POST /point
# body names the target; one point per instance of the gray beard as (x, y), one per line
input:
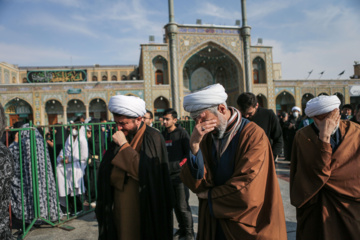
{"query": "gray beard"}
(220, 130)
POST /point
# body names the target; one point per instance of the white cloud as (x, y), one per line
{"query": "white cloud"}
(260, 9)
(317, 56)
(24, 55)
(212, 10)
(327, 40)
(60, 25)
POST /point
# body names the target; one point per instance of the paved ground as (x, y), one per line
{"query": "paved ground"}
(86, 226)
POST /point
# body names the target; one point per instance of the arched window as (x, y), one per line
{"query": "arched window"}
(104, 78)
(259, 75)
(94, 79)
(256, 75)
(159, 77)
(13, 80)
(123, 77)
(113, 78)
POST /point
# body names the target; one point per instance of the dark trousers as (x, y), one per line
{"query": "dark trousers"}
(182, 208)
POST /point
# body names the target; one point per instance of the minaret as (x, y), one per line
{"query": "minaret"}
(172, 29)
(245, 33)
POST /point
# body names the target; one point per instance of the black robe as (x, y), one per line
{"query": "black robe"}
(156, 198)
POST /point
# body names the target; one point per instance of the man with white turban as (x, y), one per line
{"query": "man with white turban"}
(324, 174)
(231, 169)
(134, 186)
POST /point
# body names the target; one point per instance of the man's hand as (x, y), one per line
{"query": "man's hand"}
(66, 160)
(119, 138)
(327, 125)
(16, 137)
(203, 195)
(201, 128)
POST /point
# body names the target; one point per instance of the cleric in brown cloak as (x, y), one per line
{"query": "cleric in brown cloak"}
(324, 176)
(231, 169)
(134, 192)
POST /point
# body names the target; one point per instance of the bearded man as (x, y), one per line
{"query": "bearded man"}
(231, 169)
(134, 186)
(324, 174)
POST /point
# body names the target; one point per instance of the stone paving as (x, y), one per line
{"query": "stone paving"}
(86, 227)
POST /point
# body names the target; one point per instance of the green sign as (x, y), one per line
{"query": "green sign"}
(74, 91)
(56, 76)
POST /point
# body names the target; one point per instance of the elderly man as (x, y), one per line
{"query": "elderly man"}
(324, 176)
(134, 187)
(232, 171)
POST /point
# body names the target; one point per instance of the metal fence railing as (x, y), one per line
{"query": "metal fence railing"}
(55, 176)
(55, 173)
(187, 125)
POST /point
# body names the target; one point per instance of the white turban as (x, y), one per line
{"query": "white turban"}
(129, 106)
(205, 98)
(321, 104)
(296, 109)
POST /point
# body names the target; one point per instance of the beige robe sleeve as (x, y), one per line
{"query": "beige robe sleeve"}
(310, 166)
(127, 159)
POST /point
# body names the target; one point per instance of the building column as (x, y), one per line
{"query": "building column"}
(42, 114)
(172, 29)
(245, 33)
(297, 97)
(87, 111)
(347, 95)
(65, 114)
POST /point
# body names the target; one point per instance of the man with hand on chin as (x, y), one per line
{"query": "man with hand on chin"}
(134, 187)
(324, 174)
(231, 169)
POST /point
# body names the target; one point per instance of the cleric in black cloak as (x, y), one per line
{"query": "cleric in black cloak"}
(134, 191)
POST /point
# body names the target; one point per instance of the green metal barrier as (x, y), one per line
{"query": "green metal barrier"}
(41, 192)
(35, 185)
(187, 125)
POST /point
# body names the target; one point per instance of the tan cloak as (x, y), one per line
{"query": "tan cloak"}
(325, 186)
(126, 196)
(249, 204)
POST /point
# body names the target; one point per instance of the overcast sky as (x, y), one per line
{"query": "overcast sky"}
(321, 35)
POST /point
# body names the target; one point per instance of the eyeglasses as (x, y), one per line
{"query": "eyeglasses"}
(146, 118)
(122, 123)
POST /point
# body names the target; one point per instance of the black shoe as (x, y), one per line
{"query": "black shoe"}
(187, 236)
(183, 235)
(177, 234)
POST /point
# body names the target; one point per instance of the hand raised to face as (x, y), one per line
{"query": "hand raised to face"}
(326, 123)
(204, 125)
(119, 138)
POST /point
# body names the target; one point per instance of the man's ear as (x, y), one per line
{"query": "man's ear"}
(222, 108)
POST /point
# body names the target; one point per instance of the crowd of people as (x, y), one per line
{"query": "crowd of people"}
(135, 176)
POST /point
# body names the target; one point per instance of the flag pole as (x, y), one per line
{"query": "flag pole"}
(309, 74)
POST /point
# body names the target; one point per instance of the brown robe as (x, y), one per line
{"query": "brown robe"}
(325, 186)
(249, 204)
(126, 196)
